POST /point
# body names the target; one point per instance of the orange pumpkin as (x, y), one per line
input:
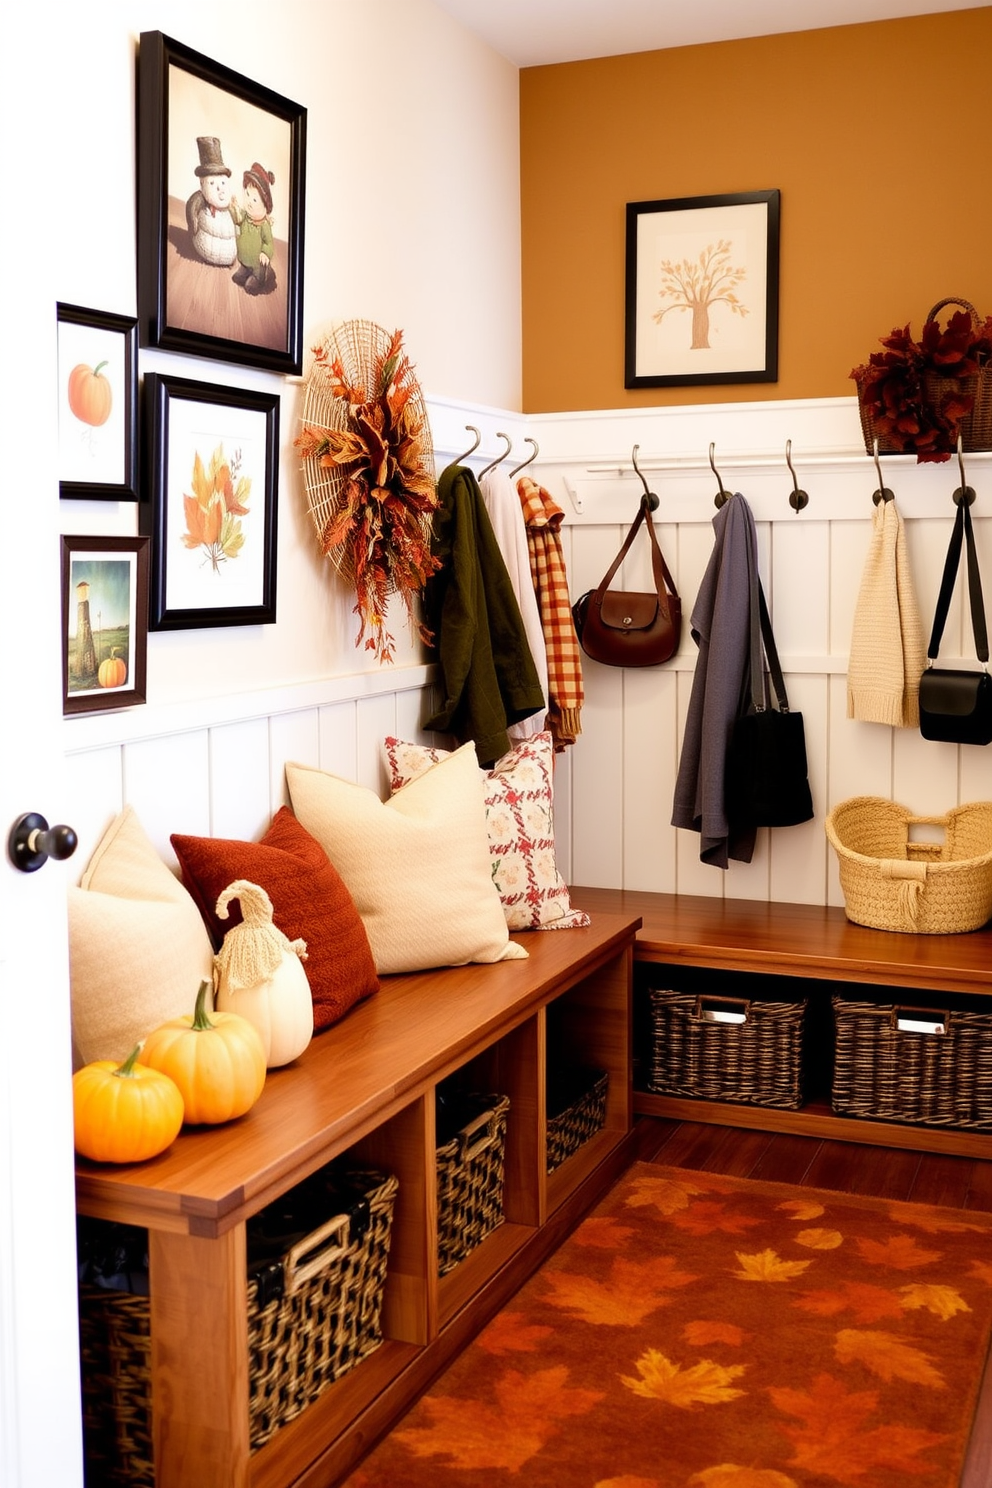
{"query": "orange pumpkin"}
(90, 395)
(113, 671)
(124, 1113)
(217, 1060)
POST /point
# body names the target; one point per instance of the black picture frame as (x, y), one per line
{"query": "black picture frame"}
(98, 404)
(698, 253)
(211, 463)
(196, 117)
(104, 580)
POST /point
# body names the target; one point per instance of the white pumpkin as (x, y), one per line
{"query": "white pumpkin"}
(259, 974)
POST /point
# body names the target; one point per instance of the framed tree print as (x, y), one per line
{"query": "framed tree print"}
(221, 179)
(98, 404)
(211, 469)
(702, 290)
(104, 622)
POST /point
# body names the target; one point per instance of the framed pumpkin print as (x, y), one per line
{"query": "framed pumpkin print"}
(702, 290)
(221, 173)
(211, 455)
(104, 622)
(98, 404)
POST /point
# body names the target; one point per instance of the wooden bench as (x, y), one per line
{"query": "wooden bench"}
(809, 941)
(366, 1088)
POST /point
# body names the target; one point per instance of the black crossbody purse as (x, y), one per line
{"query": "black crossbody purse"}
(766, 780)
(956, 703)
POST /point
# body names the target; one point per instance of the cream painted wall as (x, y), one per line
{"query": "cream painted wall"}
(412, 220)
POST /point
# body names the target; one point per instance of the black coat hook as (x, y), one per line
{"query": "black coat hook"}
(649, 496)
(797, 499)
(964, 492)
(722, 496)
(883, 493)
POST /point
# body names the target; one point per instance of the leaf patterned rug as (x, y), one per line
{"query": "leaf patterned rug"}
(698, 1331)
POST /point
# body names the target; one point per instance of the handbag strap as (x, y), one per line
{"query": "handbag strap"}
(663, 580)
(763, 647)
(962, 531)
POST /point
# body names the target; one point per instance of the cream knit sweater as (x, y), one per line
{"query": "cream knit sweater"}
(887, 648)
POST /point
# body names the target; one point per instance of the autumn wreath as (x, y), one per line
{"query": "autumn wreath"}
(368, 466)
(918, 397)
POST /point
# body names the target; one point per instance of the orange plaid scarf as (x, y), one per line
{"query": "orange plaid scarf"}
(543, 518)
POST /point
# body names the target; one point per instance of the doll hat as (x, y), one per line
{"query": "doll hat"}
(211, 160)
(263, 180)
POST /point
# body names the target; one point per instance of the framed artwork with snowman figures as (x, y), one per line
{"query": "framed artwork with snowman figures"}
(98, 404)
(221, 186)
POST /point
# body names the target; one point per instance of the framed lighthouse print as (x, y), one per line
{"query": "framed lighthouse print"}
(104, 622)
(702, 290)
(221, 177)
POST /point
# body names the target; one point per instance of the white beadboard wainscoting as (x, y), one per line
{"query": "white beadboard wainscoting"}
(218, 767)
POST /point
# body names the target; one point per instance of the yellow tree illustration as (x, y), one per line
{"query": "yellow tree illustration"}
(698, 284)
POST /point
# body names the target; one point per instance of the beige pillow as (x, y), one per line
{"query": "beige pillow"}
(138, 947)
(417, 865)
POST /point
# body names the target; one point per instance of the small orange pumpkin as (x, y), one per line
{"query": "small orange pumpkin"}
(113, 671)
(90, 394)
(217, 1060)
(124, 1112)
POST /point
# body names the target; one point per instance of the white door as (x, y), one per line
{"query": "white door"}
(39, 1367)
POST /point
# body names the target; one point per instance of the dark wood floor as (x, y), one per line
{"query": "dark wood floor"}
(845, 1167)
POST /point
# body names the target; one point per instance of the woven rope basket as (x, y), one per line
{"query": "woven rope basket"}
(891, 882)
(975, 426)
(360, 345)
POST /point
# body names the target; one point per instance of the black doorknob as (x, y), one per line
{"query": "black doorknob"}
(32, 842)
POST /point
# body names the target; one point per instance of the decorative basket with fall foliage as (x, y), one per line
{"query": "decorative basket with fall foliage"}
(368, 471)
(919, 397)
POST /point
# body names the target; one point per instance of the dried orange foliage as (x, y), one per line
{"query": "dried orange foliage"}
(705, 1383)
(526, 1412)
(212, 511)
(836, 1441)
(633, 1290)
(767, 1265)
(887, 1356)
(388, 495)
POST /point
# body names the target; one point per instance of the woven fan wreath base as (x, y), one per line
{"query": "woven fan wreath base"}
(361, 346)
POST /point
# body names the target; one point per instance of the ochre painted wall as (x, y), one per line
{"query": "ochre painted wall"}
(879, 137)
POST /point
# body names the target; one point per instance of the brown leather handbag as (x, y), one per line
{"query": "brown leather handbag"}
(627, 628)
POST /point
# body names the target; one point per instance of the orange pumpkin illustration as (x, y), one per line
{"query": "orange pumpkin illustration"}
(90, 394)
(113, 671)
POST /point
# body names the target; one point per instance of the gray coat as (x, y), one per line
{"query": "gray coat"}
(720, 623)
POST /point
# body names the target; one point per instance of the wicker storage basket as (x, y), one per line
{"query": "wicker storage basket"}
(314, 1307)
(576, 1111)
(469, 1173)
(727, 1048)
(975, 426)
(913, 1064)
(893, 883)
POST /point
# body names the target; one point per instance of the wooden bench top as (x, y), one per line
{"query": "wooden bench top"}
(793, 940)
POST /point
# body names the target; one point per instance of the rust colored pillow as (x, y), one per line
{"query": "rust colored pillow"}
(309, 900)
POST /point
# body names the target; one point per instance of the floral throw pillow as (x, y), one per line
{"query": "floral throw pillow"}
(520, 825)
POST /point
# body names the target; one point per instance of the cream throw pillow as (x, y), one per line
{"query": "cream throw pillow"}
(417, 865)
(138, 947)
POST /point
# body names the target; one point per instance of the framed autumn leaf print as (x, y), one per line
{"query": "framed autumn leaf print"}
(702, 290)
(211, 470)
